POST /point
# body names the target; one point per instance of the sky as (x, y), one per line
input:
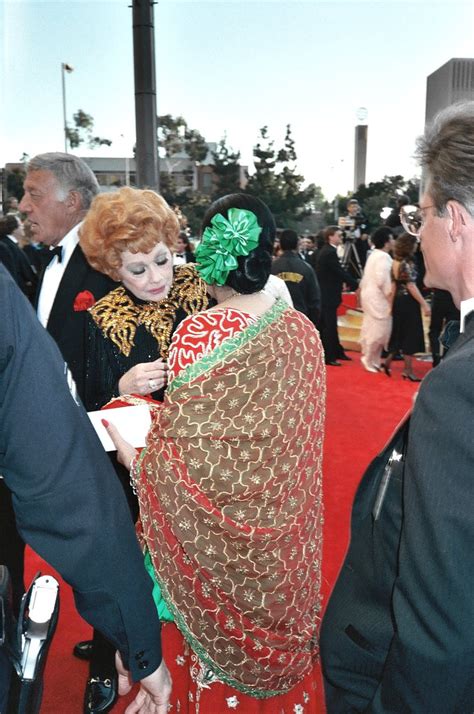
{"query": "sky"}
(230, 67)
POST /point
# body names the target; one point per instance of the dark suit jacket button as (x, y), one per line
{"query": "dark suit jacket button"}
(143, 664)
(139, 655)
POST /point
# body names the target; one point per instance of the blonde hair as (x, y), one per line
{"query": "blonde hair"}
(129, 219)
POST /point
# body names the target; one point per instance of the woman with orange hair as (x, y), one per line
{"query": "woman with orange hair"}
(129, 235)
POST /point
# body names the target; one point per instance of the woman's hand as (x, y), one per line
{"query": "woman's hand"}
(144, 378)
(125, 451)
(426, 309)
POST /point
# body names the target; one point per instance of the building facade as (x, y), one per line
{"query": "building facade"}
(451, 83)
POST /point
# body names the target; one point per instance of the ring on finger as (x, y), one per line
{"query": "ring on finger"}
(153, 384)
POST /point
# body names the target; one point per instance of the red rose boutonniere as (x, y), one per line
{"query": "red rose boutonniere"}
(83, 301)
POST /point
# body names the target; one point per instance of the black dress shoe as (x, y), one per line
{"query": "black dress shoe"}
(333, 363)
(100, 695)
(83, 650)
(345, 358)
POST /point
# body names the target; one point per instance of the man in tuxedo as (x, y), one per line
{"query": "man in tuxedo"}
(398, 632)
(331, 276)
(59, 189)
(306, 248)
(68, 502)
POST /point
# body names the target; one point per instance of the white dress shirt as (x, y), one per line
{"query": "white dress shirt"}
(276, 287)
(54, 273)
(466, 307)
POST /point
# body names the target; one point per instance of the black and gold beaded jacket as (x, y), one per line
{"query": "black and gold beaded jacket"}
(123, 331)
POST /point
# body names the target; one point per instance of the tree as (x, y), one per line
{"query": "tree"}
(15, 179)
(181, 148)
(277, 182)
(226, 169)
(82, 132)
(177, 142)
(379, 194)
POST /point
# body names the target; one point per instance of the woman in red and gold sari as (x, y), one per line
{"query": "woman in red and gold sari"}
(229, 485)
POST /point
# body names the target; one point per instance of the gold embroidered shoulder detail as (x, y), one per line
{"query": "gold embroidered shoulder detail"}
(118, 317)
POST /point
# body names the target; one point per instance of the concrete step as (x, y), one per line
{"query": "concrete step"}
(348, 327)
(348, 332)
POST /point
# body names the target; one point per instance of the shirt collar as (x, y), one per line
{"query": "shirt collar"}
(466, 307)
(69, 242)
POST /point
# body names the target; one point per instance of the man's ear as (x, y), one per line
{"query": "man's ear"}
(457, 215)
(74, 201)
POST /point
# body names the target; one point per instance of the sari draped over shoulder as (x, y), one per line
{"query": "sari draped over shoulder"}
(231, 502)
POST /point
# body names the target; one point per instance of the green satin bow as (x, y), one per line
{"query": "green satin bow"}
(223, 240)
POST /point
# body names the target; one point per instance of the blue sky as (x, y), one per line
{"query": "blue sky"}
(232, 67)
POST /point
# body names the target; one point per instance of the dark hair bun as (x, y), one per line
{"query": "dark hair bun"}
(252, 272)
(253, 269)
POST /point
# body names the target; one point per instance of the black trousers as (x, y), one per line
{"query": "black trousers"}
(12, 546)
(443, 310)
(329, 335)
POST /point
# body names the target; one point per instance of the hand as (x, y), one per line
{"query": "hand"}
(154, 693)
(144, 378)
(125, 451)
(426, 309)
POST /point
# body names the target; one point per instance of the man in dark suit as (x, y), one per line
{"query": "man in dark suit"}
(68, 503)
(299, 277)
(331, 276)
(398, 633)
(59, 189)
(11, 232)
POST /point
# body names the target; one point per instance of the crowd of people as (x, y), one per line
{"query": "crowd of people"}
(211, 535)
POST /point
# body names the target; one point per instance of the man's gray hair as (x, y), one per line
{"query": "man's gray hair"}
(71, 173)
(446, 152)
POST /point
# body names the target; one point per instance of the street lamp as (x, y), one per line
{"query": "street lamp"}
(65, 68)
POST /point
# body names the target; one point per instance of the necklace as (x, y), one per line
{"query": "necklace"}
(229, 297)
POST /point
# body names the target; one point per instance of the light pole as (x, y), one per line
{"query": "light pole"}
(127, 166)
(65, 68)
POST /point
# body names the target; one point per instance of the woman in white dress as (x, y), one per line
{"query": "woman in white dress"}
(376, 295)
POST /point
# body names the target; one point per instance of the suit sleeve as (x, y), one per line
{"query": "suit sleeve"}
(312, 296)
(429, 665)
(68, 502)
(336, 267)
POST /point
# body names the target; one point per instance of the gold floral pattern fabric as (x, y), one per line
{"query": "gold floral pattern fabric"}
(230, 493)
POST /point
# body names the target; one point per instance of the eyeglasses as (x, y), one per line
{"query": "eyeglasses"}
(412, 218)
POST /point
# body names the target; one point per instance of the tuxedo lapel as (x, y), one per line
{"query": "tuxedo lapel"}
(71, 283)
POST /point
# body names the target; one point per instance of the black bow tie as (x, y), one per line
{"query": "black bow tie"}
(48, 255)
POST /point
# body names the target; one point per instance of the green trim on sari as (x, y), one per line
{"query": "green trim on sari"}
(214, 669)
(163, 612)
(227, 347)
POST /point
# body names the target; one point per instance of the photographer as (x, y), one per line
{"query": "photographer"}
(355, 229)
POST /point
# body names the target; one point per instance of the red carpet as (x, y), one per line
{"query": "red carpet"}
(362, 411)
